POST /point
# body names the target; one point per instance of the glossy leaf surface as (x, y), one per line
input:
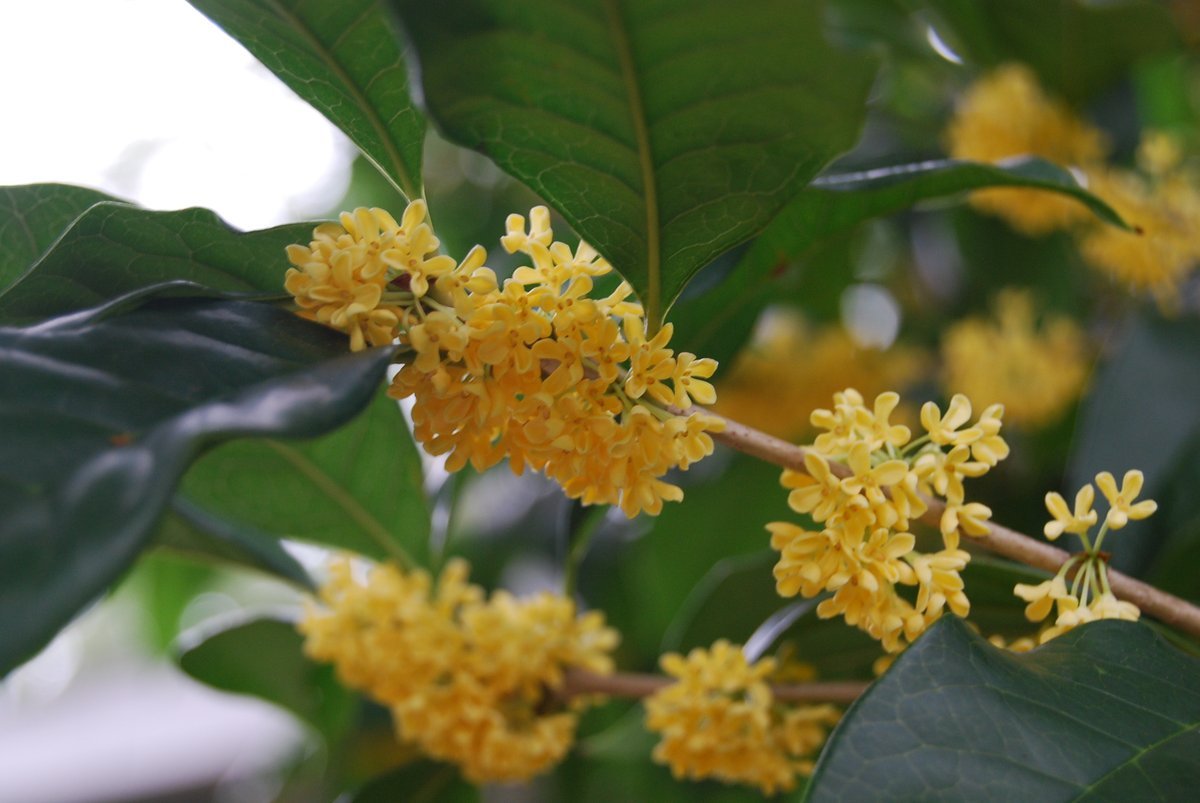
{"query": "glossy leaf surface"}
(102, 412)
(664, 132)
(1108, 711)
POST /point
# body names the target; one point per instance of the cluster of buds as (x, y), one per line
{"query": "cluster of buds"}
(863, 549)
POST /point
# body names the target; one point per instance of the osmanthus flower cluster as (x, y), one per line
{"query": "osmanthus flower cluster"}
(536, 370)
(1080, 591)
(720, 719)
(1036, 369)
(862, 551)
(1007, 114)
(468, 679)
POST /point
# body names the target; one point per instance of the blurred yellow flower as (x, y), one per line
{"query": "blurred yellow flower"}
(1006, 114)
(469, 680)
(1037, 370)
(1165, 246)
(719, 719)
(790, 368)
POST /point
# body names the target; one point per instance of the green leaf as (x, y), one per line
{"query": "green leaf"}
(103, 412)
(115, 248)
(265, 658)
(665, 133)
(32, 217)
(344, 58)
(1077, 48)
(835, 205)
(1155, 366)
(359, 488)
(418, 782)
(192, 532)
(1108, 711)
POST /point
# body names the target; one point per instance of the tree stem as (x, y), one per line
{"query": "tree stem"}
(1167, 608)
(637, 685)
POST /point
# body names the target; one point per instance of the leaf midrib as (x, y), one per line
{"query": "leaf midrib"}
(406, 186)
(641, 132)
(343, 499)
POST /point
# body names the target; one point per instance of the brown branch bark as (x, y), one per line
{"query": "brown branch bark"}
(1166, 608)
(638, 685)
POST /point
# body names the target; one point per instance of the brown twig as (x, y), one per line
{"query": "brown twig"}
(1167, 608)
(637, 685)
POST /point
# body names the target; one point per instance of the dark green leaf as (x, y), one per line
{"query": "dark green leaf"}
(344, 58)
(359, 488)
(419, 782)
(190, 531)
(665, 133)
(1108, 711)
(265, 658)
(1077, 48)
(1141, 414)
(102, 413)
(835, 205)
(32, 217)
(115, 248)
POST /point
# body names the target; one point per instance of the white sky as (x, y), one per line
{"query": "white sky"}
(149, 101)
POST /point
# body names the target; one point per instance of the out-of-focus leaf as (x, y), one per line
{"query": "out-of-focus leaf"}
(659, 572)
(665, 133)
(1174, 568)
(114, 248)
(1108, 711)
(1077, 48)
(1141, 414)
(32, 217)
(419, 782)
(103, 412)
(344, 58)
(359, 488)
(192, 532)
(833, 206)
(163, 586)
(264, 658)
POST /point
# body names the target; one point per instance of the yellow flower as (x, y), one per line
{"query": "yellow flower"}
(1042, 597)
(468, 680)
(943, 429)
(1165, 246)
(1036, 371)
(789, 368)
(1121, 505)
(719, 719)
(1064, 520)
(1006, 114)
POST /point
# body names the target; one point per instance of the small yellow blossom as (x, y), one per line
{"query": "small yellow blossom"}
(1036, 371)
(719, 719)
(1006, 114)
(469, 680)
(1066, 521)
(1121, 505)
